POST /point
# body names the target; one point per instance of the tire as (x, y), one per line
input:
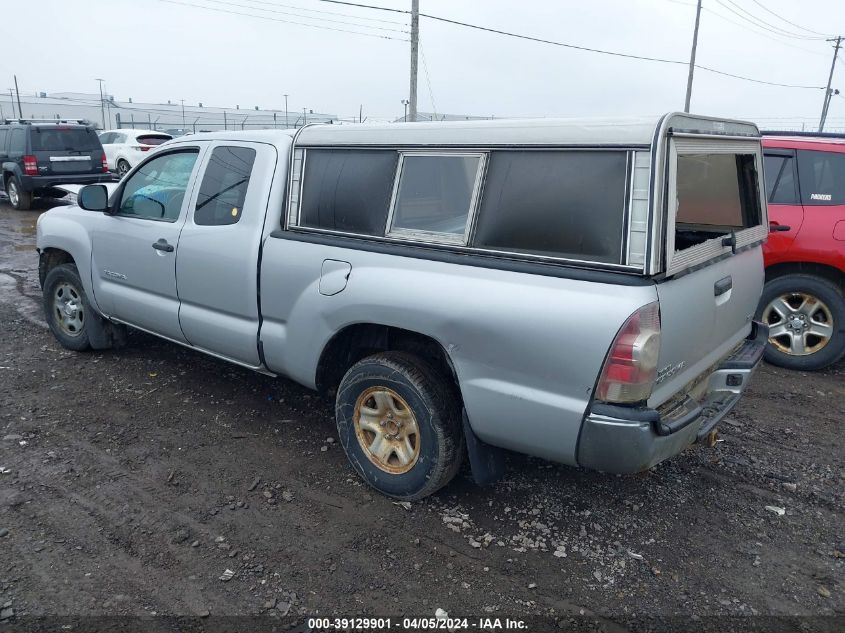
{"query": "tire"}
(123, 168)
(20, 199)
(806, 318)
(66, 307)
(418, 442)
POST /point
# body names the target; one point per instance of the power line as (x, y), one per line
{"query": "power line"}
(583, 48)
(264, 17)
(780, 17)
(305, 17)
(346, 15)
(749, 28)
(428, 80)
(761, 23)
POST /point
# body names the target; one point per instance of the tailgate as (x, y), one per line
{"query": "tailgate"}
(704, 315)
(716, 221)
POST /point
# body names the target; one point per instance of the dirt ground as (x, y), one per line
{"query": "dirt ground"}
(132, 480)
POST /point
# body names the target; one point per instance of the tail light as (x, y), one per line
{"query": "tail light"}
(30, 165)
(105, 163)
(630, 369)
(142, 148)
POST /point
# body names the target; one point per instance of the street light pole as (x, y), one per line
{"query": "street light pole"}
(286, 110)
(405, 103)
(102, 103)
(183, 113)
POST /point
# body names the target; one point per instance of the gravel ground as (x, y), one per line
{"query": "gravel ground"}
(157, 481)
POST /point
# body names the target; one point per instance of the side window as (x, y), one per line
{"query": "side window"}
(4, 134)
(106, 138)
(435, 196)
(223, 188)
(554, 203)
(822, 177)
(157, 189)
(780, 179)
(118, 138)
(18, 141)
(347, 190)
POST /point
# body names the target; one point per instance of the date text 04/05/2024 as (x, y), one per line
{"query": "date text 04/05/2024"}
(409, 624)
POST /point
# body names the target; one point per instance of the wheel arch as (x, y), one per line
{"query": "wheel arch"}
(359, 340)
(49, 258)
(825, 271)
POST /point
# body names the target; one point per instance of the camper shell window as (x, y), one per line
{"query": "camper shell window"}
(717, 195)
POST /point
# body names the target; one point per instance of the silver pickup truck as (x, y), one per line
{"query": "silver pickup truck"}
(579, 290)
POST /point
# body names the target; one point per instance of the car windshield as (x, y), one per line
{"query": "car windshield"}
(64, 139)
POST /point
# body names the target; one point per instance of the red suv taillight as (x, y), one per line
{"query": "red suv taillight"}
(105, 163)
(630, 368)
(30, 165)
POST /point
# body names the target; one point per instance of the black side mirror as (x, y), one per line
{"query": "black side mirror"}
(93, 198)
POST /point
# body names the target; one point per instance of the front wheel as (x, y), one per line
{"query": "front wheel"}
(399, 422)
(806, 317)
(66, 307)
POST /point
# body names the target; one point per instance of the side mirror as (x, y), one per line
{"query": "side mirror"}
(93, 198)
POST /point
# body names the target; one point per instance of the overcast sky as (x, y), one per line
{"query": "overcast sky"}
(153, 50)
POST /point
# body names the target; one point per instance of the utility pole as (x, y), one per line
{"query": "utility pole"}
(415, 45)
(12, 101)
(827, 91)
(17, 92)
(102, 103)
(286, 111)
(692, 56)
(183, 113)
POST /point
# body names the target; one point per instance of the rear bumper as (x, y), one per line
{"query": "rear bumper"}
(620, 439)
(34, 183)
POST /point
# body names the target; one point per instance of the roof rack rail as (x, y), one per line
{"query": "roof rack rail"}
(808, 134)
(26, 121)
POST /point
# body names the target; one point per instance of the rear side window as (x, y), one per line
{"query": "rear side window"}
(780, 179)
(56, 138)
(347, 190)
(223, 189)
(716, 195)
(18, 141)
(435, 196)
(153, 139)
(107, 138)
(822, 177)
(554, 203)
(4, 134)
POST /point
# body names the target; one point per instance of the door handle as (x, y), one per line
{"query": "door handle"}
(722, 286)
(162, 245)
(774, 227)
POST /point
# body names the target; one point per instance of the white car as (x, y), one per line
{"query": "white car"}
(126, 148)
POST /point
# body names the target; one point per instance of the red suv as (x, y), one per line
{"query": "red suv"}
(803, 299)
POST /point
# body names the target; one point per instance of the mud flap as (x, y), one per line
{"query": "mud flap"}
(487, 462)
(103, 334)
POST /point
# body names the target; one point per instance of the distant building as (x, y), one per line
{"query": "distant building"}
(157, 116)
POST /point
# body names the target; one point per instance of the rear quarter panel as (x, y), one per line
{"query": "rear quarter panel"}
(527, 348)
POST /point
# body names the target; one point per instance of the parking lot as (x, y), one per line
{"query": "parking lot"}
(134, 479)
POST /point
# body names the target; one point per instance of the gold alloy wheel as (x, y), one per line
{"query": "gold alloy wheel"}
(799, 323)
(387, 430)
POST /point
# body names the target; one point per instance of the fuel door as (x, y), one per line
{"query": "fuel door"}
(333, 276)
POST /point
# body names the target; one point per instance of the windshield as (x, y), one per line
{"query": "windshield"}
(64, 139)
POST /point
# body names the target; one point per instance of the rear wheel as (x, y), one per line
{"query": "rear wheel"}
(805, 315)
(20, 199)
(122, 168)
(399, 422)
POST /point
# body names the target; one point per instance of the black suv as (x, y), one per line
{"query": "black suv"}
(37, 155)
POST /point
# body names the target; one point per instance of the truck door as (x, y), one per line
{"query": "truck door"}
(217, 267)
(134, 250)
